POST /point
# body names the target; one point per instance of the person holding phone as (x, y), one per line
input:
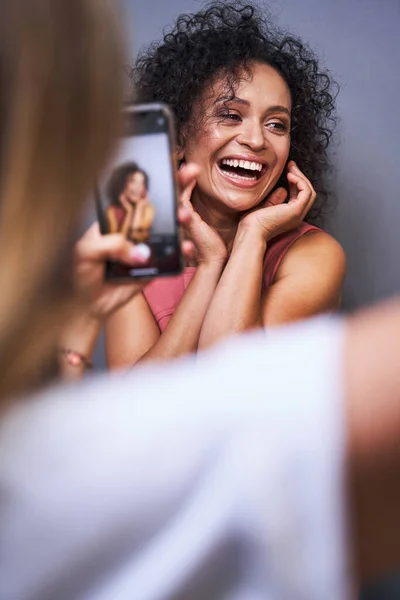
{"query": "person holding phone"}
(255, 111)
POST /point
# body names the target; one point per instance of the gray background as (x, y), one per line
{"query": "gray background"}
(358, 41)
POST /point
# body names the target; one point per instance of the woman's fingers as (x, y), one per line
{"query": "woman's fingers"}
(187, 173)
(186, 181)
(302, 192)
(292, 185)
(277, 197)
(95, 247)
(293, 168)
(186, 194)
(185, 214)
(188, 249)
(303, 201)
(189, 253)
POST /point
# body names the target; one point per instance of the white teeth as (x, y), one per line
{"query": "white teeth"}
(243, 164)
(243, 177)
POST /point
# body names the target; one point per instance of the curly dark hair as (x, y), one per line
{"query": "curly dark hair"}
(118, 180)
(222, 40)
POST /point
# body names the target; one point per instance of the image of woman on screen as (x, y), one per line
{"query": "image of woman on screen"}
(130, 211)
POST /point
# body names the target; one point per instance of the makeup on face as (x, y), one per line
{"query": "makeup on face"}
(135, 186)
(243, 142)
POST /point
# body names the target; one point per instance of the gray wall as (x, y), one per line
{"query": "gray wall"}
(358, 40)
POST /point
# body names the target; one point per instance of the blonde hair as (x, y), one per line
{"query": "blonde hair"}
(60, 94)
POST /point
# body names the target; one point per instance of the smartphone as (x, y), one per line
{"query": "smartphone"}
(137, 193)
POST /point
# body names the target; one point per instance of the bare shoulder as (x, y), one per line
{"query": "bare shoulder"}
(308, 281)
(314, 252)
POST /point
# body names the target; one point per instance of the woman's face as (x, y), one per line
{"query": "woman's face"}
(242, 144)
(135, 187)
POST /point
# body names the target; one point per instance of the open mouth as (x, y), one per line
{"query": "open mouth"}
(244, 170)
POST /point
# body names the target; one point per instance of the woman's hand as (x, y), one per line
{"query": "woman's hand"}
(103, 298)
(145, 199)
(207, 246)
(91, 253)
(93, 250)
(127, 204)
(275, 216)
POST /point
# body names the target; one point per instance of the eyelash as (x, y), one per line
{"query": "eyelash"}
(281, 127)
(230, 116)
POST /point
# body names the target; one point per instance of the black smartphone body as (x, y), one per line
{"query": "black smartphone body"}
(137, 194)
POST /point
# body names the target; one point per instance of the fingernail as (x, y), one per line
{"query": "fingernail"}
(140, 253)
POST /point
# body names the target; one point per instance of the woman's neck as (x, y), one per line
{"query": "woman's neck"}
(225, 222)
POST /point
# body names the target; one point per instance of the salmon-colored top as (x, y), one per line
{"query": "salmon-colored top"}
(119, 213)
(163, 295)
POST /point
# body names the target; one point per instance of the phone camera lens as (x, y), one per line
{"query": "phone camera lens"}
(160, 121)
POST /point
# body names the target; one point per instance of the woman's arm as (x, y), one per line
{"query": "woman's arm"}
(111, 220)
(127, 225)
(148, 216)
(308, 281)
(79, 336)
(236, 303)
(113, 226)
(144, 215)
(130, 332)
(99, 298)
(372, 387)
(133, 335)
(104, 297)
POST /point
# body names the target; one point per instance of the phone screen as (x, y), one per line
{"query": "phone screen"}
(136, 195)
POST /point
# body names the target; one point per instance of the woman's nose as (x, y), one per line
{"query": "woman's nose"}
(252, 135)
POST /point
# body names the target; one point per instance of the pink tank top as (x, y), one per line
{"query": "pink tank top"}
(163, 295)
(120, 214)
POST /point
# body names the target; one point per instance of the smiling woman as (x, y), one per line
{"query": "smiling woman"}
(256, 113)
(243, 143)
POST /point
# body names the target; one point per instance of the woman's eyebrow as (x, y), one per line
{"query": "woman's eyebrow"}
(237, 100)
(279, 108)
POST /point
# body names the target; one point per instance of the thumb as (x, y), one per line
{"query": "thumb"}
(114, 247)
(187, 172)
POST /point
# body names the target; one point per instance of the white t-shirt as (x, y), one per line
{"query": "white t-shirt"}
(216, 477)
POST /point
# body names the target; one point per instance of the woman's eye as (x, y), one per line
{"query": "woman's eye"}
(277, 126)
(230, 116)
